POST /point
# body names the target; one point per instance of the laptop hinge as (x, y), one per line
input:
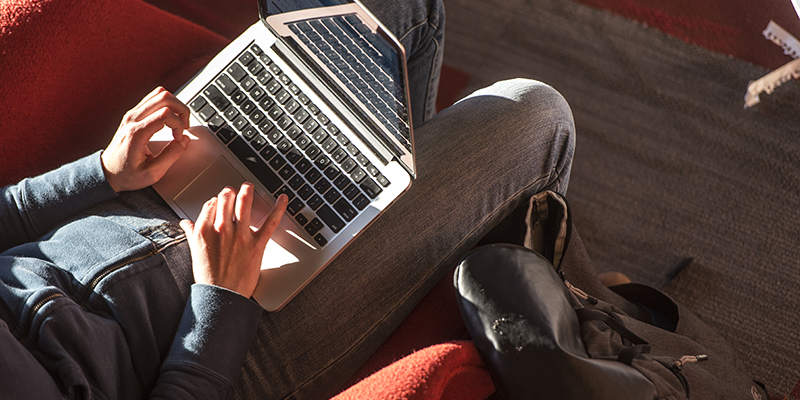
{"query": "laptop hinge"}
(336, 103)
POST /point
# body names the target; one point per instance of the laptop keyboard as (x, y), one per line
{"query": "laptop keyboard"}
(353, 53)
(284, 139)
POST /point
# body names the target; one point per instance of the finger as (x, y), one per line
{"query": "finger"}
(207, 214)
(160, 100)
(187, 226)
(150, 95)
(225, 205)
(145, 129)
(161, 163)
(273, 219)
(244, 204)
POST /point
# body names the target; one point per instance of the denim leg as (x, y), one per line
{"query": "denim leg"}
(419, 25)
(478, 161)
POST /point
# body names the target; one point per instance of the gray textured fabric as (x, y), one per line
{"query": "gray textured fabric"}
(668, 164)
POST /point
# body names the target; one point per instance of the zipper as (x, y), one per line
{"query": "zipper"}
(23, 334)
(111, 269)
(677, 366)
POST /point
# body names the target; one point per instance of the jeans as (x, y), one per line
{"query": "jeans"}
(477, 161)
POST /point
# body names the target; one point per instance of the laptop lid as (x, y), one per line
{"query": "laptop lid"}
(360, 61)
(273, 7)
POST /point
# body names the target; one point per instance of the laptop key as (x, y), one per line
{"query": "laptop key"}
(246, 58)
(345, 209)
(330, 218)
(361, 202)
(302, 142)
(382, 180)
(226, 134)
(257, 93)
(253, 162)
(206, 112)
(197, 103)
(248, 83)
(313, 151)
(286, 172)
(295, 206)
(315, 202)
(297, 182)
(348, 165)
(341, 182)
(305, 191)
(249, 133)
(331, 172)
(358, 175)
(266, 103)
(240, 123)
(303, 166)
(291, 106)
(231, 114)
(314, 226)
(226, 84)
(248, 107)
(238, 97)
(331, 196)
(293, 132)
(215, 122)
(301, 219)
(273, 86)
(259, 143)
(351, 192)
(236, 72)
(294, 155)
(322, 185)
(257, 116)
(287, 191)
(371, 188)
(320, 240)
(255, 68)
(284, 146)
(268, 152)
(277, 162)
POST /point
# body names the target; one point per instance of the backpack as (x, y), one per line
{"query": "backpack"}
(548, 329)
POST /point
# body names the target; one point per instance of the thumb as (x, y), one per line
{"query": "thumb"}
(169, 154)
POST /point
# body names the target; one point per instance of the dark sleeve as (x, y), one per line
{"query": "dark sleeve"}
(35, 206)
(208, 351)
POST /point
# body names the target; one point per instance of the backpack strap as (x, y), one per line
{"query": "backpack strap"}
(626, 356)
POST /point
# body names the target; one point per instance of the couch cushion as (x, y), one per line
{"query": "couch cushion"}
(71, 69)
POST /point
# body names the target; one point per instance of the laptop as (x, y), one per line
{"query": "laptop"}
(308, 102)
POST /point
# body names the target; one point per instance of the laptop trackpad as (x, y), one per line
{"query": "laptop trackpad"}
(209, 183)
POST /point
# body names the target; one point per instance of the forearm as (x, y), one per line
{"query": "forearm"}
(36, 205)
(209, 349)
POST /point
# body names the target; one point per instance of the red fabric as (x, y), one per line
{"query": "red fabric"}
(436, 319)
(71, 69)
(445, 371)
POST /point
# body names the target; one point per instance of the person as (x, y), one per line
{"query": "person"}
(107, 293)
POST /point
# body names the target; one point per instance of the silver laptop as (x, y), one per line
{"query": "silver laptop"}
(312, 103)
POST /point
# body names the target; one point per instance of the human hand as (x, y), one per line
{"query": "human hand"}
(226, 251)
(127, 161)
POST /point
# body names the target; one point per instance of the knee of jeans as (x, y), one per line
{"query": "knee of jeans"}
(535, 101)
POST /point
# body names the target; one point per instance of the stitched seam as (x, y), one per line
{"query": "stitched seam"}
(430, 84)
(412, 29)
